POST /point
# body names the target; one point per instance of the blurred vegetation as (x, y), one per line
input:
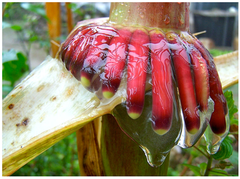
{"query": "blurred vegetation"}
(14, 67)
(59, 160)
(193, 161)
(216, 52)
(29, 21)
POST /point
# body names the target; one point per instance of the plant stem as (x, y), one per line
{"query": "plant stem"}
(209, 164)
(122, 156)
(5, 7)
(186, 168)
(54, 25)
(90, 161)
(207, 156)
(174, 16)
(69, 17)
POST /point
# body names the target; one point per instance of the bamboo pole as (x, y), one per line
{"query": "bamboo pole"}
(53, 12)
(69, 17)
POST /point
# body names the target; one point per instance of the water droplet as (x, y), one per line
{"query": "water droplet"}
(141, 14)
(167, 19)
(155, 146)
(181, 19)
(213, 140)
(188, 140)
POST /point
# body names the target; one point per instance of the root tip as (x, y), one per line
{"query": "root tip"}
(85, 82)
(134, 115)
(108, 94)
(193, 131)
(161, 131)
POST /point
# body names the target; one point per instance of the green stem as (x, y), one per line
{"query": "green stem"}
(122, 156)
(209, 164)
(206, 155)
(164, 167)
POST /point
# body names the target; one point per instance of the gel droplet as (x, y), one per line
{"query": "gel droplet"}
(188, 140)
(213, 141)
(155, 146)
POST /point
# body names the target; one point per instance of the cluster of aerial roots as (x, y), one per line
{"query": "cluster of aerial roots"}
(99, 55)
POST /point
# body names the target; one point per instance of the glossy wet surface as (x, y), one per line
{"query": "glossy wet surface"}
(183, 77)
